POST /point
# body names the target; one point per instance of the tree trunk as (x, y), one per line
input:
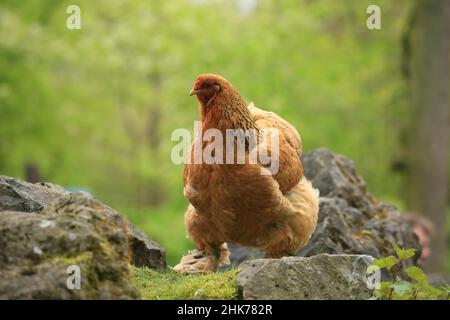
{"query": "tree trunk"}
(428, 55)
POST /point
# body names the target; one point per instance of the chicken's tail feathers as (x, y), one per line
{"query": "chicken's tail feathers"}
(300, 220)
(310, 196)
(305, 199)
(306, 203)
(309, 185)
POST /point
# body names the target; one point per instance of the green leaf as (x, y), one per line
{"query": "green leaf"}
(403, 254)
(387, 262)
(402, 288)
(418, 275)
(383, 292)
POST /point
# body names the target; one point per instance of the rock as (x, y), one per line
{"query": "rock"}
(239, 254)
(324, 276)
(74, 231)
(351, 220)
(44, 230)
(335, 176)
(21, 196)
(145, 252)
(18, 195)
(343, 229)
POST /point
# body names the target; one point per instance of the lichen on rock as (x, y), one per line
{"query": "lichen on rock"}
(324, 276)
(45, 229)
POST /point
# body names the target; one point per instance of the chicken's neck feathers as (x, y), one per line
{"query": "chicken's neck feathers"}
(227, 111)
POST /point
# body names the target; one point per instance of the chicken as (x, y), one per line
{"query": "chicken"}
(242, 203)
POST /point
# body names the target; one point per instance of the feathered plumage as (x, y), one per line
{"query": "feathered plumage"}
(236, 203)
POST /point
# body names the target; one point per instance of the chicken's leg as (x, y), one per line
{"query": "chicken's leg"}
(211, 252)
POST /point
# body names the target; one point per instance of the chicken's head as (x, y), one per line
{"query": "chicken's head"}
(207, 86)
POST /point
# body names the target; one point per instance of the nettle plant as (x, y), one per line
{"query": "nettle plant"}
(413, 285)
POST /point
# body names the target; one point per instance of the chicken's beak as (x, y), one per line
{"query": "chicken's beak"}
(193, 91)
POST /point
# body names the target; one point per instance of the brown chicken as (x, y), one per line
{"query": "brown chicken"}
(242, 203)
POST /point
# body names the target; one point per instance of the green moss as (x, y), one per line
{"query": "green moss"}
(71, 260)
(107, 249)
(168, 285)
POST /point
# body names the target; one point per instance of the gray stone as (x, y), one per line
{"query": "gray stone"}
(339, 277)
(144, 251)
(21, 196)
(335, 176)
(36, 250)
(18, 195)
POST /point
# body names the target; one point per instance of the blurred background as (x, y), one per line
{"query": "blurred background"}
(94, 109)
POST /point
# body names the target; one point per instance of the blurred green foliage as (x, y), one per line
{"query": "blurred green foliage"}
(416, 287)
(95, 108)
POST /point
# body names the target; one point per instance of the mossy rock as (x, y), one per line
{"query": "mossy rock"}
(36, 250)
